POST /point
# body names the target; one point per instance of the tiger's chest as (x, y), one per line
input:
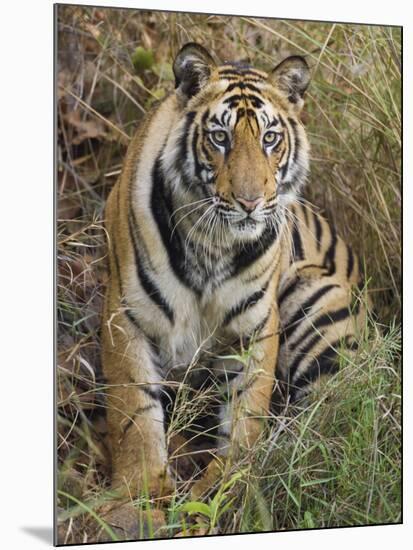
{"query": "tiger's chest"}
(205, 326)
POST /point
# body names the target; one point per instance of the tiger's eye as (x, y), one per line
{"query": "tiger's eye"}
(270, 138)
(219, 137)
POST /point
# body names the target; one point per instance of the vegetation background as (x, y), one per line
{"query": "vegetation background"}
(336, 463)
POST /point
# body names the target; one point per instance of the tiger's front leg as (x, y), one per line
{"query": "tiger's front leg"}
(249, 388)
(134, 411)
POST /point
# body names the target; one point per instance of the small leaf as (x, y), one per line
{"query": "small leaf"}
(308, 520)
(195, 507)
(225, 507)
(234, 478)
(142, 59)
(317, 481)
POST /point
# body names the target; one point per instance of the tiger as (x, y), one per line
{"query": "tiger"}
(210, 253)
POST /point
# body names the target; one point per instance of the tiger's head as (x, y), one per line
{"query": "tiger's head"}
(240, 142)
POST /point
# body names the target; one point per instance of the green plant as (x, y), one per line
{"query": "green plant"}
(212, 511)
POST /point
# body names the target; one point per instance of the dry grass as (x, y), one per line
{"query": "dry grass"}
(338, 462)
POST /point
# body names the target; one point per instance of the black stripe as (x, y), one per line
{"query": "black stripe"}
(206, 152)
(226, 206)
(257, 329)
(269, 208)
(215, 120)
(350, 262)
(240, 72)
(137, 237)
(159, 366)
(205, 116)
(288, 290)
(138, 411)
(305, 213)
(318, 231)
(152, 340)
(245, 71)
(297, 244)
(162, 209)
(329, 258)
(361, 285)
(242, 86)
(258, 275)
(301, 355)
(233, 99)
(230, 72)
(284, 168)
(147, 284)
(240, 114)
(265, 119)
(240, 78)
(242, 306)
(300, 315)
(117, 266)
(250, 252)
(297, 142)
(182, 144)
(132, 318)
(255, 100)
(351, 343)
(283, 122)
(297, 280)
(226, 115)
(153, 394)
(324, 363)
(322, 321)
(251, 113)
(260, 326)
(246, 386)
(198, 165)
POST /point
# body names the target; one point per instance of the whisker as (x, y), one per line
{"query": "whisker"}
(185, 216)
(207, 199)
(194, 228)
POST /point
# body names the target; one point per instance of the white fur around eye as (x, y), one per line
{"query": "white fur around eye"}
(219, 138)
(271, 139)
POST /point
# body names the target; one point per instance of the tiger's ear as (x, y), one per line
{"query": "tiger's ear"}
(292, 77)
(192, 67)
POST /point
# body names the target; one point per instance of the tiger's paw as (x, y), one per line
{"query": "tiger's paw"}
(123, 521)
(159, 485)
(204, 486)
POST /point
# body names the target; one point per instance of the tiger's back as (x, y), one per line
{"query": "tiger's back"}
(321, 310)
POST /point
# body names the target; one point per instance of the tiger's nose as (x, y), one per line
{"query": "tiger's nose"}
(249, 205)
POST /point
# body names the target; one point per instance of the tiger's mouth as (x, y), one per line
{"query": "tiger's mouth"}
(246, 224)
(246, 229)
(242, 226)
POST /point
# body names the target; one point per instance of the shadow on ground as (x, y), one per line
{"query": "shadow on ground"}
(44, 534)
